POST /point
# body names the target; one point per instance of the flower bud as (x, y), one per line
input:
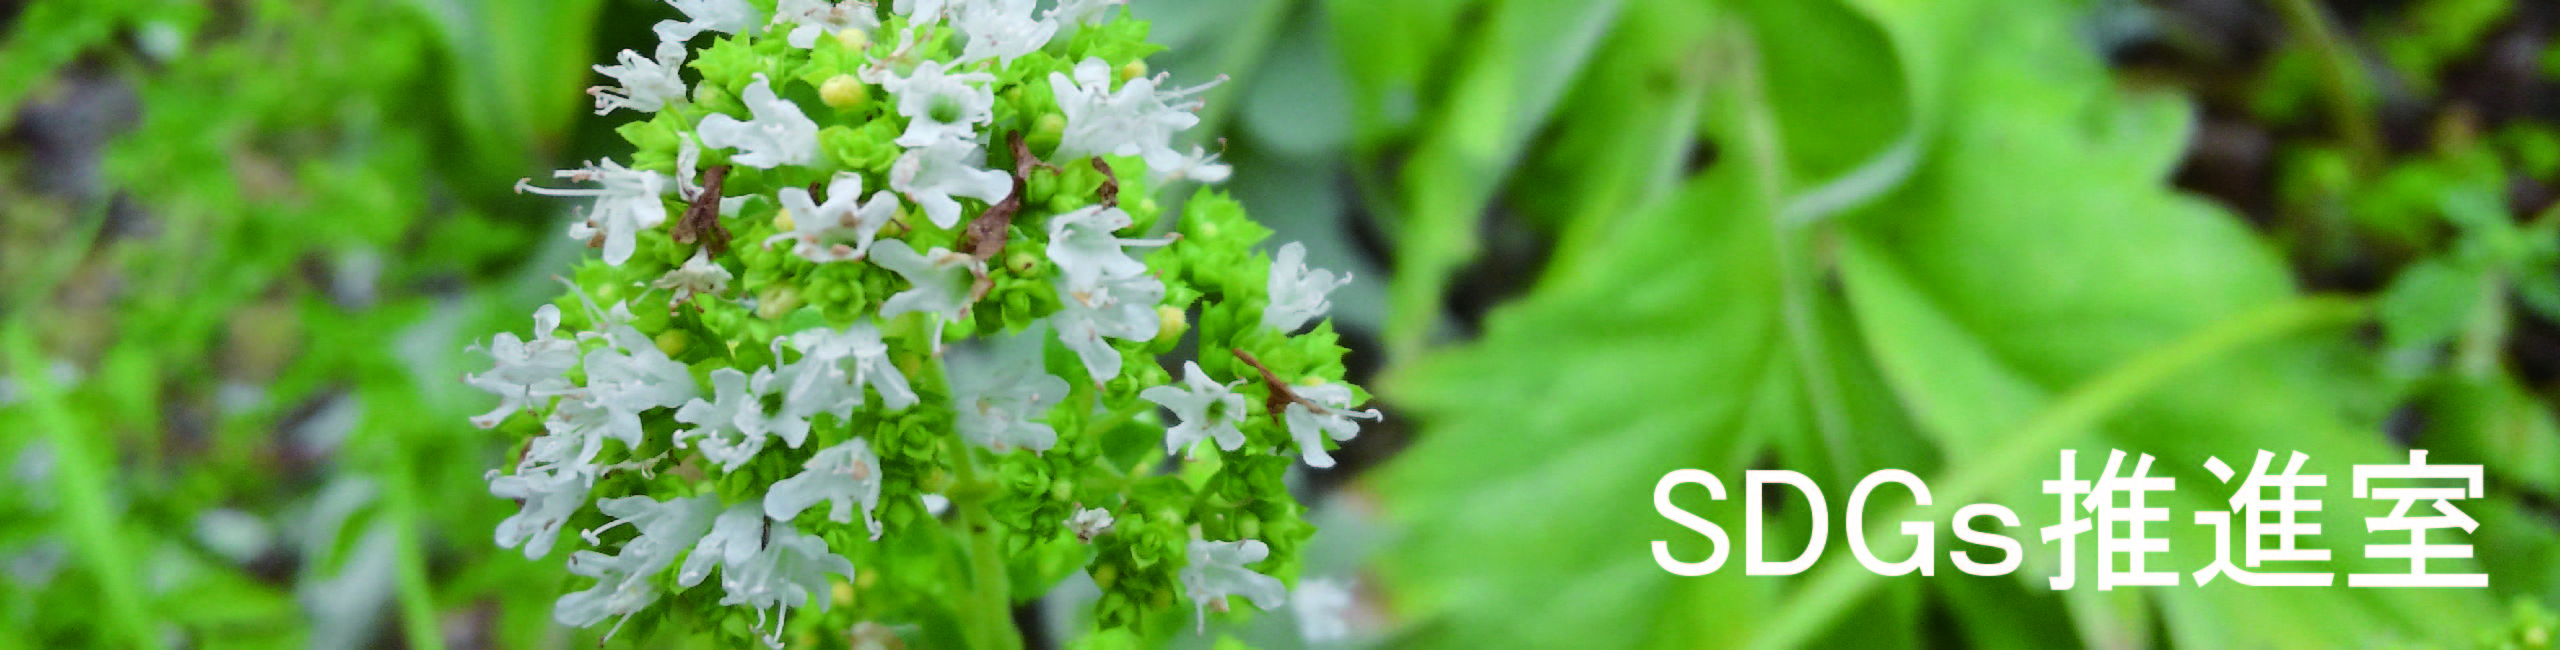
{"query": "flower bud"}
(674, 342)
(1133, 70)
(1047, 132)
(854, 38)
(777, 302)
(844, 93)
(1175, 323)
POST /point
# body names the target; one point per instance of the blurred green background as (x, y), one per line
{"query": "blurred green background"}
(244, 244)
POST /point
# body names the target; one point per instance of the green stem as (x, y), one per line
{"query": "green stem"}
(1832, 591)
(80, 475)
(989, 611)
(2342, 79)
(418, 620)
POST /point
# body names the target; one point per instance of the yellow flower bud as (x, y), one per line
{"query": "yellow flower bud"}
(844, 92)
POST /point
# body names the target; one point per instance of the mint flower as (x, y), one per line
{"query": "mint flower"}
(921, 11)
(1206, 408)
(627, 204)
(1297, 293)
(732, 427)
(791, 568)
(842, 228)
(1121, 308)
(1136, 120)
(1323, 412)
(825, 352)
(941, 106)
(938, 279)
(779, 135)
(1215, 570)
(723, 16)
(1077, 12)
(625, 583)
(933, 174)
(1004, 29)
(631, 375)
(843, 475)
(1002, 403)
(735, 535)
(1084, 247)
(525, 370)
(1088, 523)
(699, 275)
(818, 17)
(647, 85)
(548, 503)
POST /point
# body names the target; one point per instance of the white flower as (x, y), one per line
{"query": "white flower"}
(1297, 293)
(548, 503)
(626, 581)
(1123, 308)
(699, 275)
(524, 371)
(933, 174)
(1199, 165)
(647, 85)
(779, 135)
(1330, 419)
(1004, 29)
(820, 382)
(1077, 12)
(1134, 121)
(842, 228)
(627, 204)
(1215, 570)
(1085, 249)
(938, 282)
(764, 565)
(819, 17)
(1208, 410)
(844, 475)
(1323, 606)
(732, 427)
(632, 376)
(791, 569)
(922, 11)
(724, 16)
(941, 106)
(1001, 403)
(1089, 523)
(735, 536)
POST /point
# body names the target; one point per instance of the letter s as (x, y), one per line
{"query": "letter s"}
(1662, 504)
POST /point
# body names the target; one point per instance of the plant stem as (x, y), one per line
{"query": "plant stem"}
(2342, 79)
(80, 476)
(1832, 591)
(988, 614)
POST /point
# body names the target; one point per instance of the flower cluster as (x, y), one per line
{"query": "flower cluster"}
(818, 394)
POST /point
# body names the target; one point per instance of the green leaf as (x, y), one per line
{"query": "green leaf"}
(2430, 302)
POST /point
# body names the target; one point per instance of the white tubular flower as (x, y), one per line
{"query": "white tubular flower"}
(1089, 523)
(779, 135)
(1199, 165)
(933, 174)
(548, 503)
(1002, 403)
(1084, 247)
(1208, 410)
(698, 276)
(626, 582)
(1134, 121)
(941, 106)
(723, 16)
(818, 17)
(845, 475)
(1215, 570)
(732, 427)
(792, 568)
(1323, 606)
(627, 204)
(842, 228)
(821, 382)
(920, 11)
(938, 282)
(1297, 292)
(1004, 29)
(632, 376)
(1331, 418)
(525, 371)
(647, 85)
(735, 536)
(1080, 12)
(1123, 308)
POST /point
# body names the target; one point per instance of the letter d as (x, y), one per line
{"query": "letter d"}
(1752, 564)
